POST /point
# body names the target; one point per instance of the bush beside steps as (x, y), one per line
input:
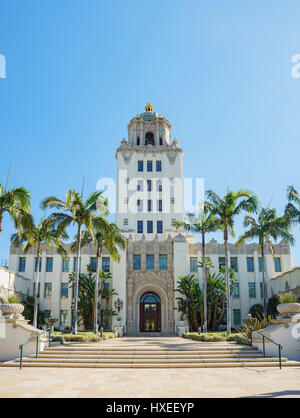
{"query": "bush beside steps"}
(217, 337)
(81, 337)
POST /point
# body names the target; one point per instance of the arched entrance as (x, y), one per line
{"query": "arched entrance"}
(150, 313)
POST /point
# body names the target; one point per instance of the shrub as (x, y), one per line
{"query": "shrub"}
(287, 298)
(13, 299)
(256, 310)
(254, 324)
(239, 339)
(207, 337)
(81, 337)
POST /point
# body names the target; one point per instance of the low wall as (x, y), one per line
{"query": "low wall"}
(286, 332)
(14, 332)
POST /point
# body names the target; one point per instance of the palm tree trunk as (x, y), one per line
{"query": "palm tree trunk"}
(97, 290)
(264, 279)
(1, 219)
(35, 309)
(204, 284)
(228, 297)
(74, 330)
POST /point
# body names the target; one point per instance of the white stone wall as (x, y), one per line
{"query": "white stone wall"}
(11, 282)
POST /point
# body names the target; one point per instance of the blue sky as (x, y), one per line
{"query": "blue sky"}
(220, 71)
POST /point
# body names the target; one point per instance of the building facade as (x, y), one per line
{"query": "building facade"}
(149, 199)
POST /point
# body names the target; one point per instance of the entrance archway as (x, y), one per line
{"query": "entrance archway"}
(150, 313)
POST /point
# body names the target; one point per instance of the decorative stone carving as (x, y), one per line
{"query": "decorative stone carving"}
(288, 308)
(12, 309)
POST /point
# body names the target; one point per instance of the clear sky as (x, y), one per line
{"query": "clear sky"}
(220, 71)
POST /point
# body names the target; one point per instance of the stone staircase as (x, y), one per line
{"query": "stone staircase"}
(143, 355)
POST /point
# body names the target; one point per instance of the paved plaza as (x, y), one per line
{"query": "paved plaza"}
(136, 383)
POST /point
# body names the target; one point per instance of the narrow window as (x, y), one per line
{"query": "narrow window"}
(158, 166)
(136, 262)
(193, 264)
(149, 165)
(163, 262)
(93, 262)
(49, 264)
(234, 264)
(140, 227)
(252, 290)
(106, 264)
(159, 226)
(277, 264)
(64, 290)
(150, 262)
(22, 264)
(149, 205)
(236, 291)
(250, 264)
(48, 290)
(65, 265)
(140, 165)
(149, 227)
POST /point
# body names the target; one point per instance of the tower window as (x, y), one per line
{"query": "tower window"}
(140, 227)
(149, 138)
(159, 227)
(149, 185)
(149, 205)
(149, 227)
(149, 165)
(138, 140)
(158, 165)
(160, 141)
(159, 205)
(140, 165)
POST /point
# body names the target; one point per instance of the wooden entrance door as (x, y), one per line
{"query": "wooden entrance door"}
(150, 318)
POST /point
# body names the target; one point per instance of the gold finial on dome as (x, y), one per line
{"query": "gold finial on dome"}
(149, 107)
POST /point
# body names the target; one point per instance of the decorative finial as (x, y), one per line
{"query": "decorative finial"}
(149, 107)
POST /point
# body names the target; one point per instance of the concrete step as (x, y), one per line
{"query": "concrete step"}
(147, 365)
(149, 356)
(151, 361)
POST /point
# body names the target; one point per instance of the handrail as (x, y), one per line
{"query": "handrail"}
(269, 339)
(29, 341)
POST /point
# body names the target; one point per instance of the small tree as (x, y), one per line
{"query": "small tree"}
(266, 228)
(226, 210)
(34, 237)
(15, 202)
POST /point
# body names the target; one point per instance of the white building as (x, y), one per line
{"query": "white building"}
(149, 199)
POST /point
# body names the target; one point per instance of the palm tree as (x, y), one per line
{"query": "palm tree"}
(202, 224)
(105, 235)
(35, 236)
(268, 226)
(75, 211)
(291, 210)
(16, 202)
(226, 209)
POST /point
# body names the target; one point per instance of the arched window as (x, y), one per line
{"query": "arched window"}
(149, 138)
(150, 298)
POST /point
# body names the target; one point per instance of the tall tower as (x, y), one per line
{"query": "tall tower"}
(149, 178)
